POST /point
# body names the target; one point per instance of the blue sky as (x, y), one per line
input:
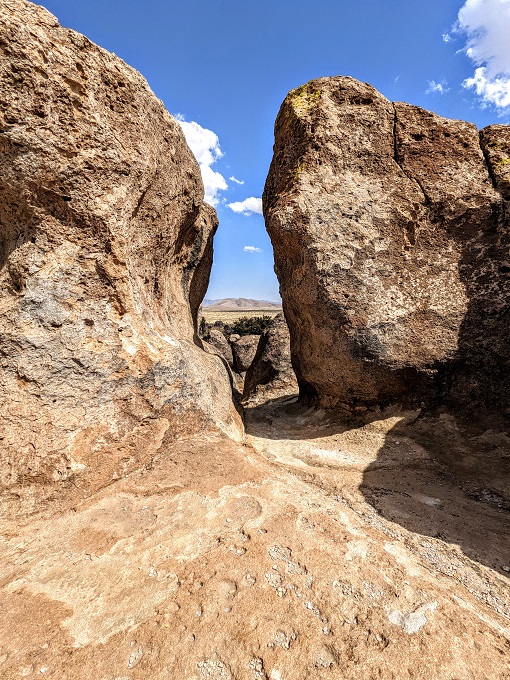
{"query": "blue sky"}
(226, 65)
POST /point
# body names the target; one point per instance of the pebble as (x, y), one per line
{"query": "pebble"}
(238, 551)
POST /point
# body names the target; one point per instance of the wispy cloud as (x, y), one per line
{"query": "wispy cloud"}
(437, 88)
(206, 147)
(237, 181)
(247, 207)
(486, 25)
(447, 37)
(252, 249)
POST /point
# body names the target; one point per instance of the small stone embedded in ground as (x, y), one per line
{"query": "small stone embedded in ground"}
(325, 659)
(413, 621)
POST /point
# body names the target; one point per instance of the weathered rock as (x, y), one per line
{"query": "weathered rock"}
(391, 247)
(220, 343)
(244, 351)
(285, 554)
(105, 252)
(271, 374)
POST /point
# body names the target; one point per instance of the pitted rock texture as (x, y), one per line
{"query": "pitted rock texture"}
(244, 350)
(302, 555)
(271, 374)
(105, 253)
(391, 239)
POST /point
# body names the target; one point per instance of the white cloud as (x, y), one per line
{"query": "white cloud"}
(206, 147)
(447, 37)
(437, 88)
(252, 249)
(237, 181)
(486, 24)
(493, 91)
(247, 207)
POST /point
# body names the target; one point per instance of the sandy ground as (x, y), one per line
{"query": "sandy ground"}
(315, 550)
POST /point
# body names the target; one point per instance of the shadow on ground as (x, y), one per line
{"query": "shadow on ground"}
(426, 475)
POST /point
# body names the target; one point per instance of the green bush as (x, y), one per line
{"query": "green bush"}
(246, 325)
(254, 325)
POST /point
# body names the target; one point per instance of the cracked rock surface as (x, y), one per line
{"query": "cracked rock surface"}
(105, 253)
(390, 228)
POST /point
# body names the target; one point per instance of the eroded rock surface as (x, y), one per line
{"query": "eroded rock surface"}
(271, 374)
(266, 561)
(168, 550)
(391, 238)
(105, 253)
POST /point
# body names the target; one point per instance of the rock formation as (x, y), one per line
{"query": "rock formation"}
(271, 374)
(391, 236)
(105, 253)
(244, 350)
(179, 552)
(221, 344)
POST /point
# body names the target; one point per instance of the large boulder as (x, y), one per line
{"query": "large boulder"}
(105, 253)
(391, 239)
(271, 374)
(221, 344)
(244, 350)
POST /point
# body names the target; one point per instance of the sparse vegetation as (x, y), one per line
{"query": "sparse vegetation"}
(254, 325)
(244, 325)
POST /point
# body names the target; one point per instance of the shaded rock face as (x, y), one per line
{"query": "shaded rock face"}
(270, 374)
(391, 237)
(221, 344)
(105, 253)
(244, 351)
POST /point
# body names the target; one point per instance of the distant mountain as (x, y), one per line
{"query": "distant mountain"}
(233, 304)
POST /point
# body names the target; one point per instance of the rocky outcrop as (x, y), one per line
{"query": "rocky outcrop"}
(391, 238)
(271, 375)
(244, 350)
(221, 344)
(105, 252)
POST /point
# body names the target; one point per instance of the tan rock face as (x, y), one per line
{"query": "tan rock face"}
(390, 240)
(271, 375)
(105, 252)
